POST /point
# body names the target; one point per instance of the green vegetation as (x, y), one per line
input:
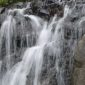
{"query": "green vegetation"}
(7, 2)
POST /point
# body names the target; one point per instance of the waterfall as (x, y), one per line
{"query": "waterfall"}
(58, 37)
(7, 30)
(32, 56)
(19, 72)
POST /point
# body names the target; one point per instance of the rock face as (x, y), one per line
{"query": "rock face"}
(79, 68)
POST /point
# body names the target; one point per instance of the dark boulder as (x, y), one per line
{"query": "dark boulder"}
(2, 10)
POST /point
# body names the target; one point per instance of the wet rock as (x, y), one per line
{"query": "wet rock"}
(50, 1)
(55, 9)
(2, 18)
(44, 14)
(79, 64)
(2, 15)
(19, 4)
(43, 11)
(28, 11)
(48, 73)
(2, 10)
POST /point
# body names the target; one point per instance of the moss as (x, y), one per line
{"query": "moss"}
(7, 2)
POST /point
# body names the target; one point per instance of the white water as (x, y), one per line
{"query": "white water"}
(32, 56)
(7, 31)
(19, 72)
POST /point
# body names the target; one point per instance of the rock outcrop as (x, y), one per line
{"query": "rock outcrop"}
(79, 63)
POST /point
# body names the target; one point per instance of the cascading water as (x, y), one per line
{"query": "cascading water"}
(7, 30)
(59, 35)
(32, 55)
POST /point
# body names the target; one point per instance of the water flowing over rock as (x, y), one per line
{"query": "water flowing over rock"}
(40, 50)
